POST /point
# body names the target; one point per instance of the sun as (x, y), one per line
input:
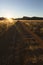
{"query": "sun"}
(8, 14)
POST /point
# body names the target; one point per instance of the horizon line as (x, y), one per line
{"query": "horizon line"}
(20, 16)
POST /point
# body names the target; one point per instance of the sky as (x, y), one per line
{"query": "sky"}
(20, 8)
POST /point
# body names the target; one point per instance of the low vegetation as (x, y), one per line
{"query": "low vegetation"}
(17, 46)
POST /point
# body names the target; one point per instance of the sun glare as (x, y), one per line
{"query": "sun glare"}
(10, 20)
(8, 15)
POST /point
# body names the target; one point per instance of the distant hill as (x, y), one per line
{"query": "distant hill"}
(2, 18)
(24, 18)
(29, 18)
